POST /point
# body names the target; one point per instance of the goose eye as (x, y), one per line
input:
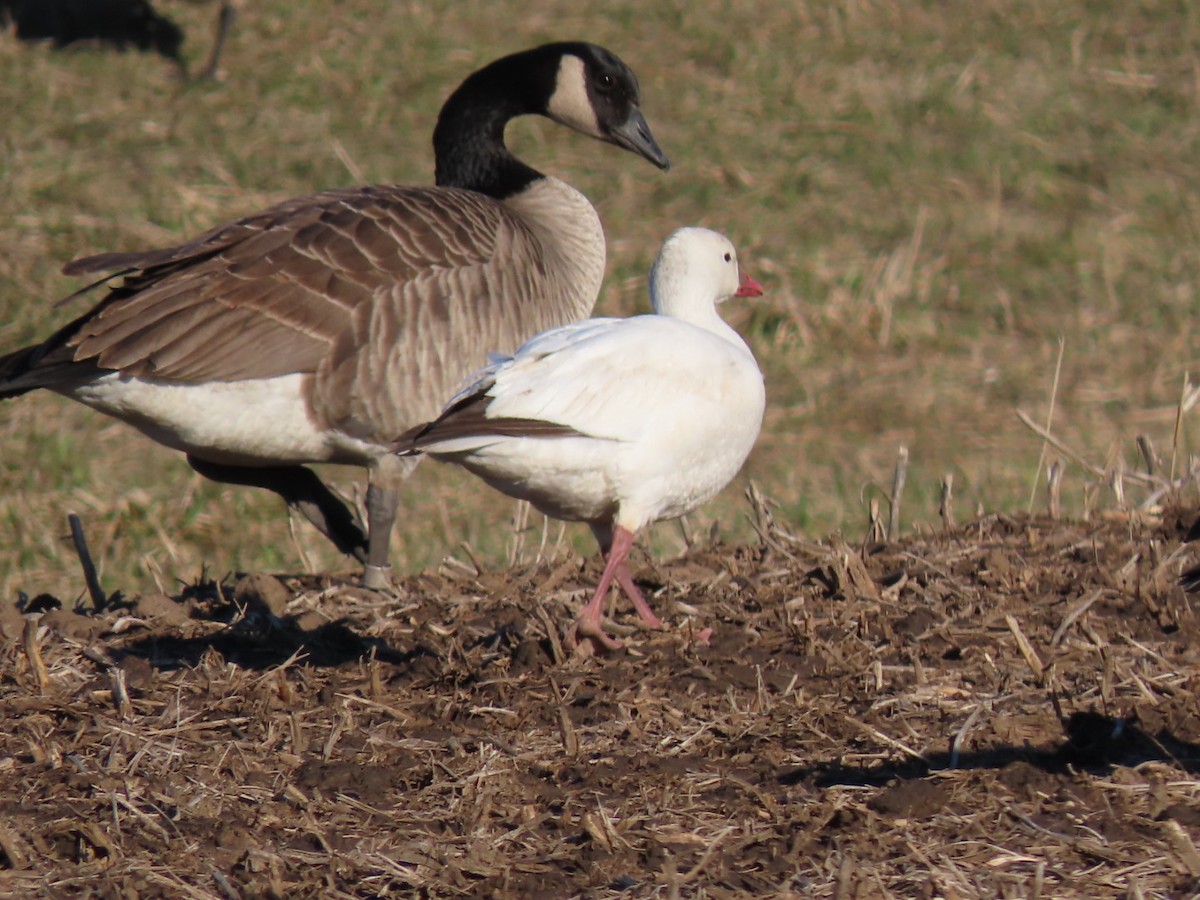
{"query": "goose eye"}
(606, 81)
(728, 257)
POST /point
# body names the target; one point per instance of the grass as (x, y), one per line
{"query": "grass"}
(932, 195)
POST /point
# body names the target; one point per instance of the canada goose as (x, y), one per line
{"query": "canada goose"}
(321, 328)
(617, 422)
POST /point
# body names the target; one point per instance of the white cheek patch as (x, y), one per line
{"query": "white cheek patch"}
(569, 103)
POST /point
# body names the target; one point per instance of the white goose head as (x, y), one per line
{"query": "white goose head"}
(695, 270)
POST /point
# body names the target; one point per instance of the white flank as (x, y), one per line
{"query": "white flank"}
(237, 422)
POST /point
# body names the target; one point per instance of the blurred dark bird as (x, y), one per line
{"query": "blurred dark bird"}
(122, 24)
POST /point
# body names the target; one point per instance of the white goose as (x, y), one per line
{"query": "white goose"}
(617, 422)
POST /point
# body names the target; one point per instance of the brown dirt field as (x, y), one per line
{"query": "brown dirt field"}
(1006, 710)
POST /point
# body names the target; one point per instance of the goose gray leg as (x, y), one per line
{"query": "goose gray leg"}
(383, 497)
(304, 492)
(381, 515)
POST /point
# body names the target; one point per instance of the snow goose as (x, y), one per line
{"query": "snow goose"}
(617, 422)
(319, 329)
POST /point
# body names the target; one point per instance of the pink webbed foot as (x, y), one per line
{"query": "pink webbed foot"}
(639, 602)
(588, 624)
(587, 637)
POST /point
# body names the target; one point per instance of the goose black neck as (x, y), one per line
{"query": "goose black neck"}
(468, 142)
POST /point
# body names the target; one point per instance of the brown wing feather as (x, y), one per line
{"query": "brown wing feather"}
(207, 243)
(291, 277)
(297, 289)
(387, 296)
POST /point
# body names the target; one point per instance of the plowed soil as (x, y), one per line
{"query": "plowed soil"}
(1008, 709)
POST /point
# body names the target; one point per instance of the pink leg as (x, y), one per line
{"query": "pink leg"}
(616, 554)
(588, 622)
(639, 602)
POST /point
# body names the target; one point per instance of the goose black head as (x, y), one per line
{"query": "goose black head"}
(597, 94)
(580, 85)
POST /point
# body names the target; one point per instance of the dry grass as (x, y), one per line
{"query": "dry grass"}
(933, 197)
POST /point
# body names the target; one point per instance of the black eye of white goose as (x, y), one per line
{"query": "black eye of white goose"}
(728, 257)
(562, 424)
(321, 328)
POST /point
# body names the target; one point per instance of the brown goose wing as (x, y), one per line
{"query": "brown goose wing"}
(420, 338)
(411, 286)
